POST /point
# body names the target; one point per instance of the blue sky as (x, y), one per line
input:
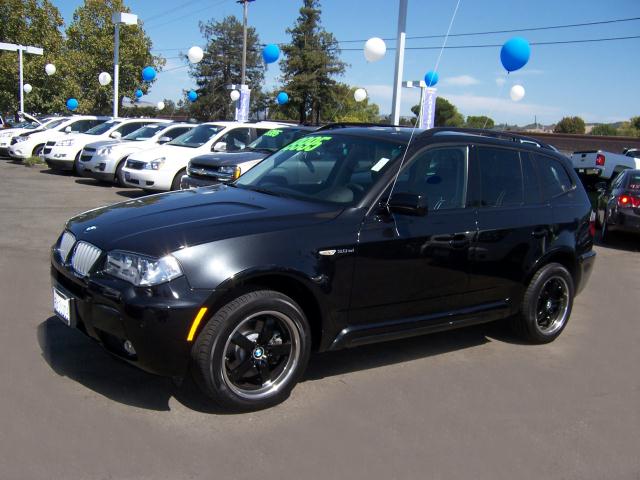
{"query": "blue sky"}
(597, 81)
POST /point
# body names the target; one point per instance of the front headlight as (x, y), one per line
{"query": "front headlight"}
(154, 164)
(142, 271)
(104, 151)
(231, 170)
(20, 139)
(65, 143)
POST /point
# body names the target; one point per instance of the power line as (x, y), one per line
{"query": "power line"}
(171, 10)
(173, 19)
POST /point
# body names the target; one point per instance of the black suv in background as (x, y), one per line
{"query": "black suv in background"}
(344, 237)
(214, 168)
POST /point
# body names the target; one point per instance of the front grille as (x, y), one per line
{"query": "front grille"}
(84, 256)
(135, 165)
(66, 244)
(51, 144)
(87, 154)
(203, 172)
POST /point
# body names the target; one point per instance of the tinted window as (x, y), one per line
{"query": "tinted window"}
(102, 128)
(176, 132)
(144, 133)
(530, 180)
(277, 138)
(236, 139)
(633, 181)
(197, 136)
(130, 128)
(439, 174)
(501, 182)
(554, 179)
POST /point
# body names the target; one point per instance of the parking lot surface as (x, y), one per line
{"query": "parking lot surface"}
(471, 403)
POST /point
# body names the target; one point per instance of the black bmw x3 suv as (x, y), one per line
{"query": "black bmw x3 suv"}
(344, 237)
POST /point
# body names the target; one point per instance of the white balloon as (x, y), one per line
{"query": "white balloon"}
(27, 88)
(50, 68)
(517, 93)
(195, 54)
(374, 49)
(160, 105)
(104, 78)
(360, 94)
(235, 95)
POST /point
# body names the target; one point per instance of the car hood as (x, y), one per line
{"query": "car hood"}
(222, 159)
(158, 224)
(104, 143)
(167, 151)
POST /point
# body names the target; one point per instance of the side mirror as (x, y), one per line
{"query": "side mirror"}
(67, 129)
(164, 139)
(220, 147)
(408, 204)
(115, 135)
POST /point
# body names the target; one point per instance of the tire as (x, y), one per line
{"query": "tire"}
(37, 151)
(271, 335)
(76, 165)
(175, 184)
(546, 306)
(119, 176)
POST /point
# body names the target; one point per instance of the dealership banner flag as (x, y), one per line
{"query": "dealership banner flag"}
(242, 108)
(428, 108)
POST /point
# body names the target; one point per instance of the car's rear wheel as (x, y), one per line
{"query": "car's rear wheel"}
(546, 305)
(253, 351)
(175, 184)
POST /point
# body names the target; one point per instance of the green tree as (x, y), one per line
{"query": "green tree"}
(311, 61)
(89, 50)
(222, 66)
(603, 129)
(481, 121)
(37, 23)
(570, 125)
(446, 114)
(635, 121)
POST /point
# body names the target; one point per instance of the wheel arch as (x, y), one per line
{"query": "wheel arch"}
(565, 257)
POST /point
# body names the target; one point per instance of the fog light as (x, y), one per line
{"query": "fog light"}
(128, 347)
(102, 166)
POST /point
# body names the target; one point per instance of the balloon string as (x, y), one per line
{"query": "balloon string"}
(415, 126)
(500, 88)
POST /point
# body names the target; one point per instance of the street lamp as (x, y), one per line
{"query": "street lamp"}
(12, 47)
(119, 19)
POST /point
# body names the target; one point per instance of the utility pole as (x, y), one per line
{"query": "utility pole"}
(118, 19)
(12, 47)
(397, 84)
(245, 7)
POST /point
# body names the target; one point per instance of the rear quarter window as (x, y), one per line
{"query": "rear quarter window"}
(554, 179)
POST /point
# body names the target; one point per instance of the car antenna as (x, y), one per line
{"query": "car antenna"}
(415, 126)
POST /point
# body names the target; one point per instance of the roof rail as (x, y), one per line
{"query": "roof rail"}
(498, 134)
(329, 126)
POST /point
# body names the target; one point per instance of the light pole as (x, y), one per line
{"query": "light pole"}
(245, 7)
(118, 19)
(397, 84)
(12, 47)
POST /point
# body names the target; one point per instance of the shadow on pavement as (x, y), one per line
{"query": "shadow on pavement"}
(133, 193)
(625, 241)
(94, 183)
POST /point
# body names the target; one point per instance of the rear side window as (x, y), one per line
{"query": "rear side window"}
(501, 182)
(530, 180)
(176, 132)
(554, 179)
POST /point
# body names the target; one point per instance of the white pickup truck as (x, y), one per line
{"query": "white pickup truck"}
(597, 165)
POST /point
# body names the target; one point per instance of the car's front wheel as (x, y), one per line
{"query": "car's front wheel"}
(546, 305)
(175, 184)
(252, 351)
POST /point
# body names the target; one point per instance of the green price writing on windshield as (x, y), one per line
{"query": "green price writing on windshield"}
(273, 133)
(306, 144)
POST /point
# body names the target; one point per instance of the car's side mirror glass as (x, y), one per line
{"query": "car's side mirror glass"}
(67, 129)
(164, 139)
(220, 147)
(115, 135)
(408, 204)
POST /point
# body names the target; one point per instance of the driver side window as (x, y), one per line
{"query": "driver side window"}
(440, 174)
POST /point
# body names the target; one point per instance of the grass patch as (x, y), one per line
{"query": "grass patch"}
(33, 161)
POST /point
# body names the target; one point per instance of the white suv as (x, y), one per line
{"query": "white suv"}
(105, 160)
(31, 124)
(162, 168)
(34, 142)
(65, 154)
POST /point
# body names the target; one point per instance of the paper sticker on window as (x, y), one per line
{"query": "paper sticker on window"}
(273, 133)
(379, 164)
(306, 144)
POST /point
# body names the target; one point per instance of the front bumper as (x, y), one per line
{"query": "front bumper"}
(155, 320)
(19, 152)
(4, 152)
(187, 182)
(56, 164)
(147, 179)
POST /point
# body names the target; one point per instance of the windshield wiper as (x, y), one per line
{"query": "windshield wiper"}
(260, 149)
(263, 190)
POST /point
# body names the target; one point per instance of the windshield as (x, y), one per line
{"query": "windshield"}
(102, 128)
(276, 139)
(328, 168)
(144, 133)
(28, 125)
(197, 137)
(54, 123)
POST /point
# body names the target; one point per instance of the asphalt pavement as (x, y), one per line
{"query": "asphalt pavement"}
(467, 404)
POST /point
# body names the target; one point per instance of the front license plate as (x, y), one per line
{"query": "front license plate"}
(62, 306)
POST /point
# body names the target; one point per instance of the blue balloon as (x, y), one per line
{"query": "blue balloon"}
(148, 74)
(282, 98)
(270, 53)
(431, 78)
(72, 104)
(138, 93)
(515, 54)
(192, 95)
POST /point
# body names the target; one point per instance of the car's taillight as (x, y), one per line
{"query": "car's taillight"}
(628, 201)
(592, 224)
(600, 160)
